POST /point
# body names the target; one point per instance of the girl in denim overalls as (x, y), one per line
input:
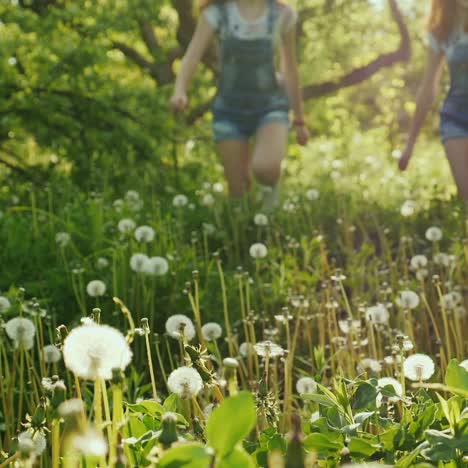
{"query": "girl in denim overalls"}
(250, 101)
(448, 38)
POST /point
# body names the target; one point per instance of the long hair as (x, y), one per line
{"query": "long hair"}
(442, 19)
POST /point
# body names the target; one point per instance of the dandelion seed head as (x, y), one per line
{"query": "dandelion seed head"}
(157, 266)
(96, 288)
(246, 348)
(418, 367)
(70, 408)
(268, 348)
(369, 364)
(62, 239)
(312, 194)
(185, 382)
(139, 262)
(39, 442)
(132, 196)
(93, 351)
(208, 200)
(51, 354)
(408, 208)
(89, 443)
(306, 385)
(5, 304)
(418, 261)
(212, 331)
(218, 187)
(179, 201)
(349, 326)
(261, 219)
(178, 324)
(258, 250)
(378, 314)
(231, 362)
(464, 364)
(21, 330)
(102, 263)
(126, 225)
(434, 234)
(408, 299)
(443, 259)
(208, 229)
(144, 234)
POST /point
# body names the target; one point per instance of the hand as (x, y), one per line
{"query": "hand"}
(405, 158)
(302, 135)
(178, 102)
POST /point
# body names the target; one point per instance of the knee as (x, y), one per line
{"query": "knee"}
(266, 173)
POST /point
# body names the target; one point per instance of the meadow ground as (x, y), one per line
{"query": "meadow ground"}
(152, 322)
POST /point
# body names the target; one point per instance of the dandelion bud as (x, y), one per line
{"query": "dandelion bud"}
(169, 430)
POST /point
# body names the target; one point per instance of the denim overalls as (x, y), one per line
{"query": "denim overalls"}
(454, 112)
(249, 95)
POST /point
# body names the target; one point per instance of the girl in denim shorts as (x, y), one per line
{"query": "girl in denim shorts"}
(448, 38)
(251, 99)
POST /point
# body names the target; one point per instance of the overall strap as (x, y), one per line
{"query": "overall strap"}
(272, 16)
(224, 20)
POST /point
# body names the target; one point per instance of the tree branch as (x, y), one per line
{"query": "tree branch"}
(360, 74)
(148, 35)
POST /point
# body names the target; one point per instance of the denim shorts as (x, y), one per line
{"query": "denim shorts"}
(451, 128)
(228, 126)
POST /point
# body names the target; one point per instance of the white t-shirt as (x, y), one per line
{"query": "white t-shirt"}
(446, 47)
(257, 29)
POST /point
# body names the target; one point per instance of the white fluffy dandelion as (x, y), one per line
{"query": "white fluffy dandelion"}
(434, 234)
(5, 304)
(418, 367)
(369, 364)
(102, 263)
(36, 440)
(179, 201)
(92, 351)
(139, 262)
(51, 354)
(89, 443)
(246, 348)
(208, 200)
(269, 348)
(306, 385)
(312, 194)
(96, 288)
(407, 299)
(126, 225)
(62, 239)
(21, 330)
(261, 219)
(144, 234)
(185, 382)
(178, 324)
(408, 208)
(211, 331)
(258, 250)
(157, 266)
(443, 259)
(464, 364)
(418, 262)
(378, 314)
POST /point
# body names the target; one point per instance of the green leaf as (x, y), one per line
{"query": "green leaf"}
(364, 396)
(149, 407)
(362, 448)
(238, 458)
(192, 455)
(323, 442)
(456, 377)
(231, 422)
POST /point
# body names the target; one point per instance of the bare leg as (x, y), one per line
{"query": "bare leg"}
(235, 155)
(270, 150)
(457, 154)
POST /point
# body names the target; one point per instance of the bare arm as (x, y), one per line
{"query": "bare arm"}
(198, 45)
(293, 86)
(426, 94)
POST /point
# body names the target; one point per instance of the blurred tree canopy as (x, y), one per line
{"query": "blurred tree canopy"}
(85, 83)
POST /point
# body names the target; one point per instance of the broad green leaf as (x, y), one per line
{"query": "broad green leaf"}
(149, 407)
(192, 455)
(456, 377)
(361, 448)
(323, 442)
(364, 396)
(238, 458)
(231, 422)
